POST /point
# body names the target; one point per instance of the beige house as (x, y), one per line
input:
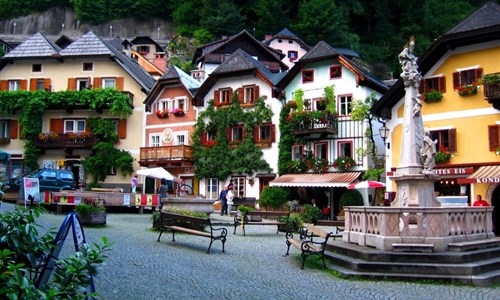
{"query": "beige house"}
(88, 63)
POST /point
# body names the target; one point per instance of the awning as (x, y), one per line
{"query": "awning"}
(4, 155)
(485, 174)
(316, 180)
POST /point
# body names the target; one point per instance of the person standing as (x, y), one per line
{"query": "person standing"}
(230, 197)
(163, 191)
(480, 202)
(134, 183)
(223, 200)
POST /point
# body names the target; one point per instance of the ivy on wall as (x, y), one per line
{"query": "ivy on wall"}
(32, 105)
(223, 159)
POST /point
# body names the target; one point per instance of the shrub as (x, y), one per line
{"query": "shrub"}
(351, 198)
(310, 214)
(294, 222)
(273, 196)
(245, 209)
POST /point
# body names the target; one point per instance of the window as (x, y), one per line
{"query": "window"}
(14, 85)
(445, 139)
(225, 96)
(345, 148)
(4, 130)
(249, 94)
(109, 83)
(345, 105)
(321, 150)
(265, 132)
(143, 50)
(82, 83)
(180, 138)
(154, 140)
(466, 77)
(335, 72)
(236, 134)
(307, 76)
(35, 68)
(494, 137)
(434, 84)
(319, 103)
(297, 152)
(163, 104)
(212, 188)
(88, 66)
(40, 84)
(73, 126)
(293, 55)
(182, 104)
(239, 187)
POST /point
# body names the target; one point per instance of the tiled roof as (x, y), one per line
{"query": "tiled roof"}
(287, 34)
(36, 46)
(486, 16)
(316, 180)
(320, 51)
(88, 44)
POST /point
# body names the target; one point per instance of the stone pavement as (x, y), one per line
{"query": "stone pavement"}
(253, 267)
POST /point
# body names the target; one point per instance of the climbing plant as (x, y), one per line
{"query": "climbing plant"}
(32, 105)
(222, 158)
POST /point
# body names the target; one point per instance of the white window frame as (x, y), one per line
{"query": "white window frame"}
(14, 85)
(75, 123)
(109, 80)
(155, 140)
(4, 129)
(249, 94)
(184, 101)
(81, 80)
(345, 105)
(318, 152)
(40, 84)
(223, 92)
(161, 104)
(297, 152)
(239, 189)
(341, 148)
(212, 188)
(179, 134)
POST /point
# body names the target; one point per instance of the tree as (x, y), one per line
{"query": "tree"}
(222, 17)
(271, 16)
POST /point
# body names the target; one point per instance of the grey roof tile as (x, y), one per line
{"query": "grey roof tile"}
(486, 16)
(36, 46)
(321, 50)
(88, 44)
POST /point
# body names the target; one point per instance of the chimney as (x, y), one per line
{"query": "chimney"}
(267, 36)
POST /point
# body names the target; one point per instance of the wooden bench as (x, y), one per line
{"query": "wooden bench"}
(109, 190)
(259, 217)
(312, 241)
(339, 227)
(178, 223)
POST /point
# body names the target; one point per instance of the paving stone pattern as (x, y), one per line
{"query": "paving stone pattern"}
(253, 267)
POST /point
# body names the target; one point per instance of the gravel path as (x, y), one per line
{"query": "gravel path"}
(253, 267)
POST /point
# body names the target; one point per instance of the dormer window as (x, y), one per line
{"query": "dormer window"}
(36, 68)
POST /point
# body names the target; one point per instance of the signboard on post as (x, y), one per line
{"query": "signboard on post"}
(31, 190)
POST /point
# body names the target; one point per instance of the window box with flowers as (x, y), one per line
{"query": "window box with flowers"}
(178, 112)
(344, 163)
(162, 113)
(47, 137)
(467, 89)
(443, 155)
(432, 96)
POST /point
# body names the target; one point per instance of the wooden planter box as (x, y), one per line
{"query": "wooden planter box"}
(96, 218)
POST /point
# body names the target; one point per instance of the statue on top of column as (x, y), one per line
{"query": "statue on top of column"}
(408, 62)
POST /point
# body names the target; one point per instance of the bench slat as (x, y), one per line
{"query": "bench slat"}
(307, 245)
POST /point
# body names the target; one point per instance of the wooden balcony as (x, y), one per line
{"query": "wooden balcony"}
(166, 155)
(492, 90)
(65, 141)
(326, 125)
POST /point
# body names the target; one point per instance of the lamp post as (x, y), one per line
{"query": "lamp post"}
(384, 134)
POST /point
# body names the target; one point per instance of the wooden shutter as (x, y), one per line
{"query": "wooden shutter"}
(494, 137)
(24, 85)
(56, 125)
(33, 82)
(217, 97)
(97, 82)
(456, 80)
(4, 85)
(452, 140)
(442, 84)
(72, 84)
(119, 83)
(273, 133)
(203, 137)
(13, 129)
(256, 92)
(241, 94)
(229, 135)
(421, 88)
(256, 136)
(479, 73)
(122, 129)
(46, 84)
(230, 96)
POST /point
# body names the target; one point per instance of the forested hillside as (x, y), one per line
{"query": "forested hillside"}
(377, 29)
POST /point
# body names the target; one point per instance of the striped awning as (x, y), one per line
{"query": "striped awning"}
(316, 180)
(485, 174)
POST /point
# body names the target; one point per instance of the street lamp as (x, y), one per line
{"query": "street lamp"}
(384, 134)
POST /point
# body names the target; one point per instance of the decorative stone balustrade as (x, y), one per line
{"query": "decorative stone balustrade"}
(381, 227)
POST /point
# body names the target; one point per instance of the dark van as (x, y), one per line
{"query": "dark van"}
(52, 180)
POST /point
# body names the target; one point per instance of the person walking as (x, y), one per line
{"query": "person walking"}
(134, 183)
(230, 197)
(223, 200)
(163, 191)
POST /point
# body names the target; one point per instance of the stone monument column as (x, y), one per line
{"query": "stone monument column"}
(415, 175)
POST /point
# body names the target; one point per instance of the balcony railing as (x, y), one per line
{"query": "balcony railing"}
(309, 124)
(165, 154)
(492, 89)
(65, 141)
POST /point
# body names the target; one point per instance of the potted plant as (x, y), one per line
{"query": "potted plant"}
(344, 163)
(91, 213)
(310, 214)
(443, 155)
(155, 217)
(293, 223)
(432, 96)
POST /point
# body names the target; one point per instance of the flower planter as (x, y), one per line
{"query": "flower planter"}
(94, 218)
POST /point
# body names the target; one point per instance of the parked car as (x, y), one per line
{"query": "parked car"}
(52, 180)
(12, 184)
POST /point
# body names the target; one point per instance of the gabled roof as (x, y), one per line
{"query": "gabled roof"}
(324, 52)
(173, 77)
(36, 46)
(146, 40)
(239, 63)
(63, 41)
(88, 44)
(287, 34)
(227, 44)
(481, 26)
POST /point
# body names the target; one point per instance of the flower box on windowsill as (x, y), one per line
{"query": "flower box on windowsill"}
(432, 96)
(468, 89)
(162, 114)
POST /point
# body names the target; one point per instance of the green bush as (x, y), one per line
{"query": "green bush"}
(245, 209)
(310, 214)
(274, 197)
(294, 222)
(351, 198)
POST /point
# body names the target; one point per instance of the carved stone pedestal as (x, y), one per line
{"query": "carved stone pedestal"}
(415, 190)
